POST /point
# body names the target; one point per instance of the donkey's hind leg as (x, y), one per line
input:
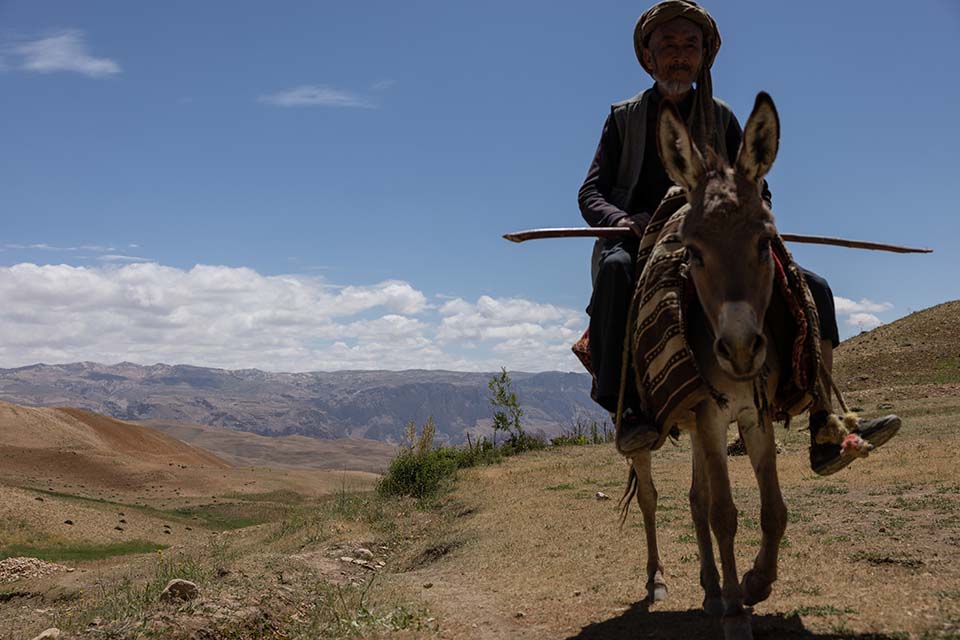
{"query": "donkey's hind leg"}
(700, 510)
(647, 499)
(762, 449)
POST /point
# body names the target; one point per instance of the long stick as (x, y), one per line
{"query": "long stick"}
(623, 232)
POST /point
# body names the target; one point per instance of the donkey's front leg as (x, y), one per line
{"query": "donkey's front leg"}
(712, 435)
(700, 510)
(762, 448)
(647, 498)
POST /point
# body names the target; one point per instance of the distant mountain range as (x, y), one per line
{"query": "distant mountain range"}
(368, 404)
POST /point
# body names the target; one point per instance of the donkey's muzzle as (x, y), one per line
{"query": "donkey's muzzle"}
(740, 346)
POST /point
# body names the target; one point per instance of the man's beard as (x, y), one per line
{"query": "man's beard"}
(674, 87)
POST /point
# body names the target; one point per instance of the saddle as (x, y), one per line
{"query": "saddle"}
(666, 374)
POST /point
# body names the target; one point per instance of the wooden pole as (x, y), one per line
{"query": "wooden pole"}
(623, 232)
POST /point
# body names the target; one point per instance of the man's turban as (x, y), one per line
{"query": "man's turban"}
(702, 118)
(666, 11)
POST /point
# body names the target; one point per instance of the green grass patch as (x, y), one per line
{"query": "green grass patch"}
(80, 552)
(883, 559)
(821, 610)
(142, 508)
(947, 370)
(281, 496)
(560, 487)
(225, 516)
(829, 490)
(798, 517)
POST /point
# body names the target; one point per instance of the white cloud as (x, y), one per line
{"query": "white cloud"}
(113, 257)
(491, 318)
(63, 51)
(382, 85)
(847, 306)
(860, 315)
(864, 321)
(237, 318)
(316, 96)
(530, 336)
(42, 246)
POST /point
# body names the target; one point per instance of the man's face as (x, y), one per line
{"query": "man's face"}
(675, 52)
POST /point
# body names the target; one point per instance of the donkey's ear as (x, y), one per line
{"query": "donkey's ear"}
(761, 139)
(678, 153)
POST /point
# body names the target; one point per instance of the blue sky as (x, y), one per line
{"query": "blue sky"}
(343, 172)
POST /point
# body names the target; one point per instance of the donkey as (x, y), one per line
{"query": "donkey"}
(726, 235)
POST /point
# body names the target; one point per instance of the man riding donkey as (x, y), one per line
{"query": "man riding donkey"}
(676, 42)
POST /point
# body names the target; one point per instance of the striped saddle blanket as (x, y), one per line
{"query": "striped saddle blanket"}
(667, 377)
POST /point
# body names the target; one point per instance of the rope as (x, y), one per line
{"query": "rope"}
(831, 385)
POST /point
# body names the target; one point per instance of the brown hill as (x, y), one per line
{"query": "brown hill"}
(86, 447)
(82, 453)
(917, 355)
(297, 452)
(82, 432)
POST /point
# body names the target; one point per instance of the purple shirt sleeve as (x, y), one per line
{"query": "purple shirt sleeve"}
(595, 206)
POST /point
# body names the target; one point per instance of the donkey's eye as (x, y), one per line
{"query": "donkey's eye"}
(694, 256)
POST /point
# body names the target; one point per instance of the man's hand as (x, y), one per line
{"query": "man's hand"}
(637, 222)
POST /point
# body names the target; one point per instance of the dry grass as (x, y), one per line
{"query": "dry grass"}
(874, 549)
(280, 579)
(523, 549)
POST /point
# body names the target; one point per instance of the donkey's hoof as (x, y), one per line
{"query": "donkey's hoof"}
(755, 588)
(713, 606)
(656, 592)
(737, 627)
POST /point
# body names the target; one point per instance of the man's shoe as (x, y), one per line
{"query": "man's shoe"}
(828, 458)
(636, 433)
(879, 430)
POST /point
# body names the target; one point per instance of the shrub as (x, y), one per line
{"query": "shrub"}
(418, 474)
(523, 442)
(583, 433)
(419, 470)
(481, 452)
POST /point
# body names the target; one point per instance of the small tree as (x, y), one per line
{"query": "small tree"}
(507, 411)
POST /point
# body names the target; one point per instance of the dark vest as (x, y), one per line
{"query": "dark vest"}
(631, 118)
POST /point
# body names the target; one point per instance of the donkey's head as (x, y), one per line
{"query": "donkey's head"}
(727, 232)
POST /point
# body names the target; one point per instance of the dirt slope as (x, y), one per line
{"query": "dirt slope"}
(298, 452)
(78, 431)
(921, 349)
